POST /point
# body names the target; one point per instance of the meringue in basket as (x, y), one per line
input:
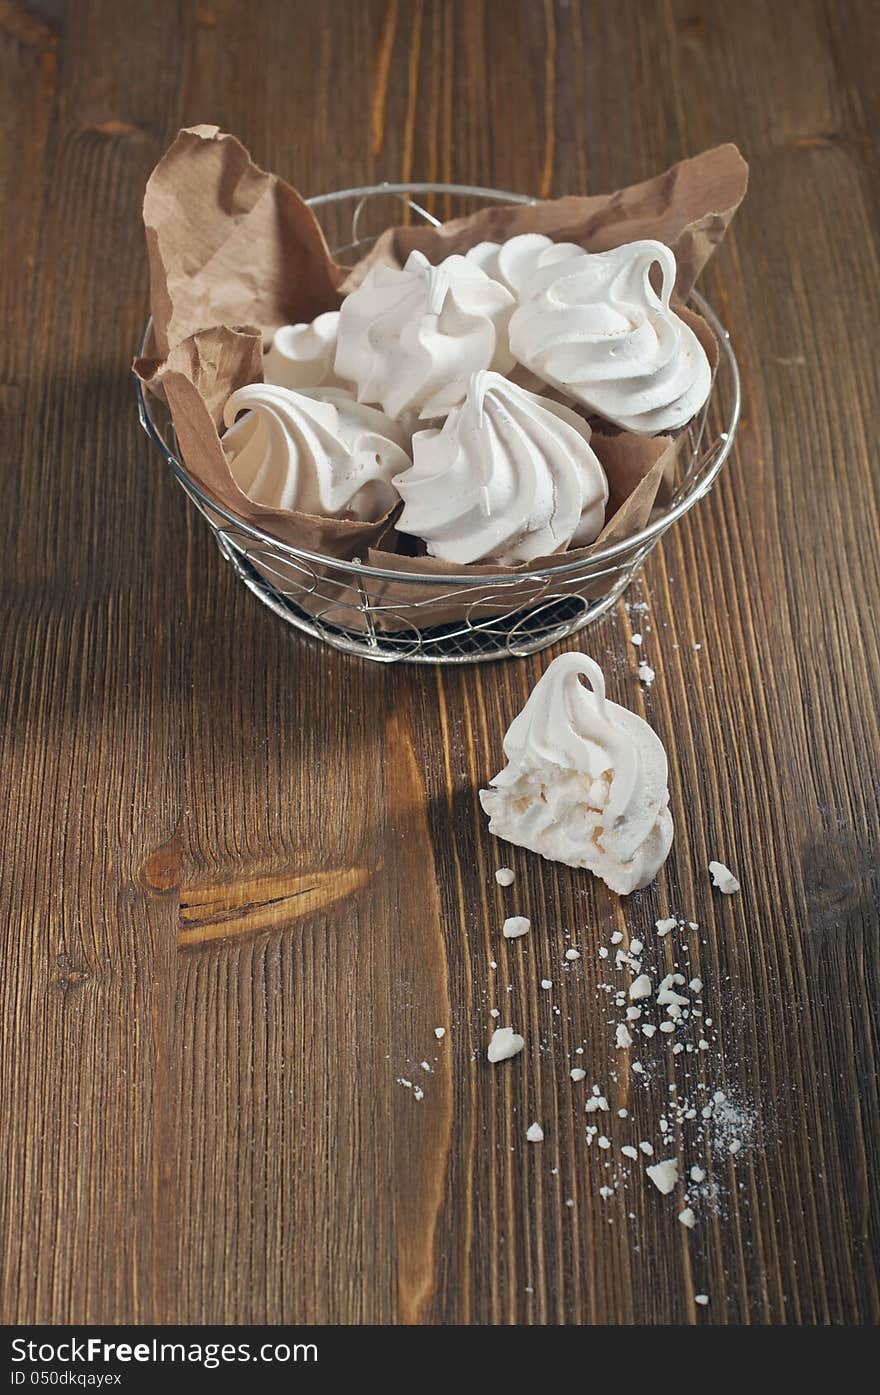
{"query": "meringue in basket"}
(585, 782)
(509, 477)
(319, 453)
(410, 338)
(302, 356)
(592, 325)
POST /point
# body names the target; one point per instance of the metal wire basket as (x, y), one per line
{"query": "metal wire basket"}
(357, 608)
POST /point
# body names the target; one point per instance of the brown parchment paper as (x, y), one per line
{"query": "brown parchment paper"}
(229, 244)
(235, 252)
(688, 207)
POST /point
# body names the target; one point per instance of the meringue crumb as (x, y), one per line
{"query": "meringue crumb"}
(641, 987)
(622, 1036)
(439, 1033)
(664, 1175)
(505, 876)
(636, 639)
(534, 1133)
(696, 985)
(515, 926)
(616, 937)
(687, 1218)
(546, 983)
(663, 927)
(629, 1151)
(723, 878)
(578, 1074)
(646, 674)
(493, 1012)
(596, 1102)
(572, 954)
(635, 946)
(505, 1043)
(697, 1174)
(701, 1298)
(647, 1148)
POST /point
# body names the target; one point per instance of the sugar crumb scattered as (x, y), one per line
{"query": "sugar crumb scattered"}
(664, 1175)
(515, 926)
(723, 878)
(505, 1042)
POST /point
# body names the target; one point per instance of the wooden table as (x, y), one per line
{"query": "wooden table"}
(244, 877)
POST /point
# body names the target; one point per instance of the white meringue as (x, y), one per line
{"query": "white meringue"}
(586, 780)
(509, 477)
(301, 356)
(411, 338)
(514, 262)
(319, 452)
(593, 325)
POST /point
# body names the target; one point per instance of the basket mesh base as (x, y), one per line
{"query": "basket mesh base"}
(513, 635)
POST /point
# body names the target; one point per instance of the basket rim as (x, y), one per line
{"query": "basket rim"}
(647, 535)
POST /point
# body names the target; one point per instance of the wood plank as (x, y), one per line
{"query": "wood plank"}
(249, 875)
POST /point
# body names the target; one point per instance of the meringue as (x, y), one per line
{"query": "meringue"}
(410, 339)
(319, 453)
(510, 476)
(514, 262)
(301, 356)
(586, 780)
(593, 325)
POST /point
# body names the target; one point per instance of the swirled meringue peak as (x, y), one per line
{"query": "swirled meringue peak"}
(593, 325)
(410, 338)
(585, 782)
(301, 356)
(317, 452)
(510, 476)
(515, 262)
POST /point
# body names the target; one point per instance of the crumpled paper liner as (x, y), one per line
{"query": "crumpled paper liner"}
(235, 252)
(688, 207)
(229, 244)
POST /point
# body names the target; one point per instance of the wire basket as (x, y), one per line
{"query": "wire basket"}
(356, 607)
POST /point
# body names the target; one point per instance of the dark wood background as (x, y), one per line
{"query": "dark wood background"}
(202, 1128)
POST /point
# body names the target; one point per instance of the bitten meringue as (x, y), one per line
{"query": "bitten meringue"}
(301, 356)
(585, 782)
(509, 477)
(319, 453)
(410, 339)
(593, 325)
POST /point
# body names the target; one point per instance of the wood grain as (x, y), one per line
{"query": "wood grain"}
(246, 877)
